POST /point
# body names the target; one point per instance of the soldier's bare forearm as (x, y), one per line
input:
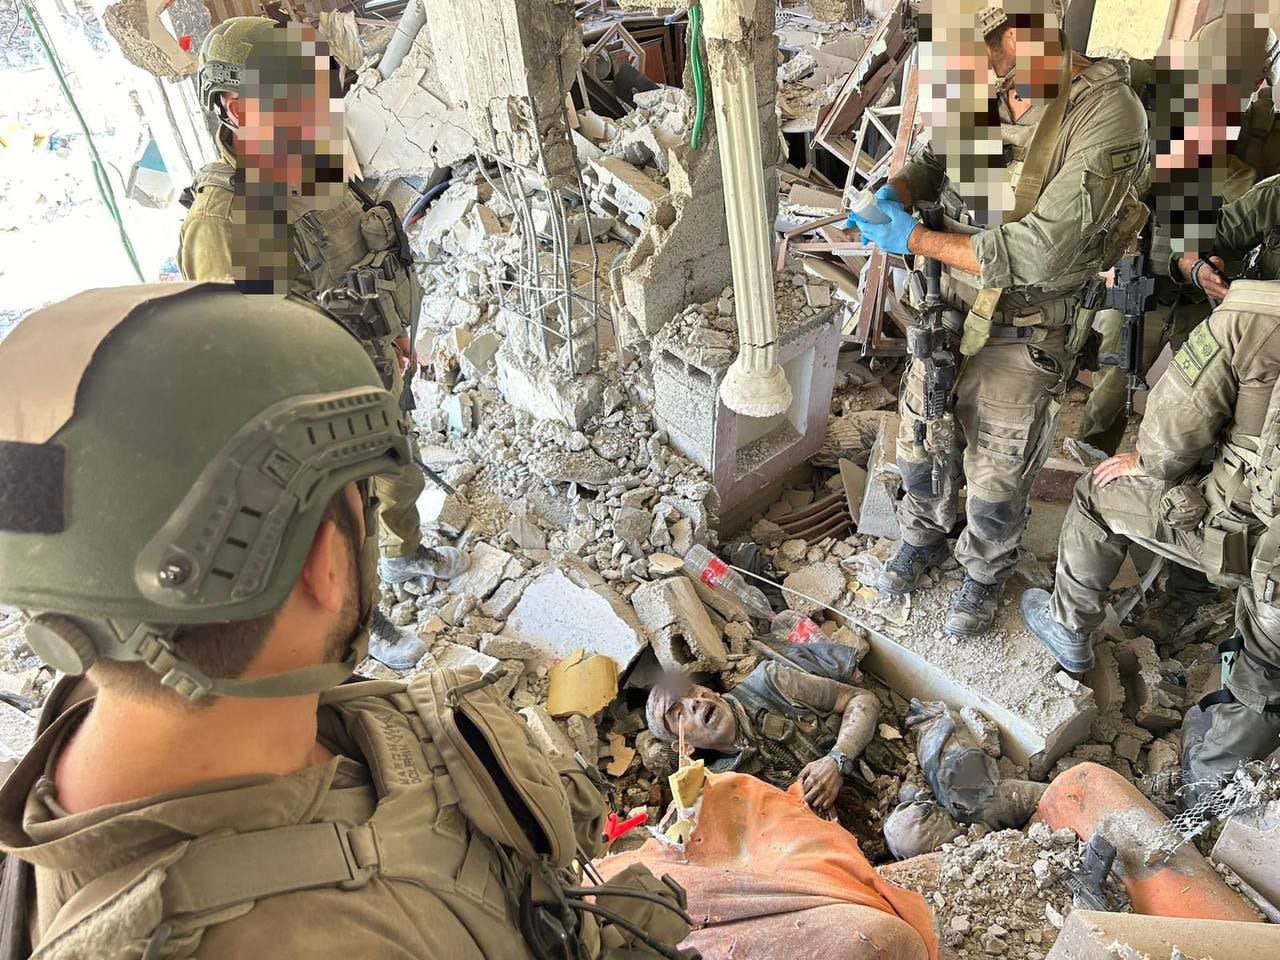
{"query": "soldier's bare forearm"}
(858, 725)
(953, 249)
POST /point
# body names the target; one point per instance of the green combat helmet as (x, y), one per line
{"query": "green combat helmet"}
(243, 51)
(167, 453)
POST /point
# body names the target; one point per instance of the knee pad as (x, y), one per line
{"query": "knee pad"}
(917, 477)
(996, 521)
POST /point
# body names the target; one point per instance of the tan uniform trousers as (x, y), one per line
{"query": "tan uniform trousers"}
(1101, 524)
(399, 529)
(1006, 409)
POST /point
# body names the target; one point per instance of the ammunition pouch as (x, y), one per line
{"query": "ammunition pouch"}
(1183, 507)
(1226, 551)
(1127, 224)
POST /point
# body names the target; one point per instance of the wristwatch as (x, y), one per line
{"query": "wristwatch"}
(845, 763)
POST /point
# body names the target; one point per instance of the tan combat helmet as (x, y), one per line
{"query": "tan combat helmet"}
(167, 453)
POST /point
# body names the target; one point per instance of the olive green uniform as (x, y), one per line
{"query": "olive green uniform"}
(368, 855)
(1178, 310)
(209, 248)
(1007, 395)
(1221, 390)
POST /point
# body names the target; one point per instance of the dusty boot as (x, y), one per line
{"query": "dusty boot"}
(439, 562)
(398, 648)
(1072, 650)
(908, 564)
(973, 608)
(1168, 612)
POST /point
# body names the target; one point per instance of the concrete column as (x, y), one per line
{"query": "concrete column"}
(755, 385)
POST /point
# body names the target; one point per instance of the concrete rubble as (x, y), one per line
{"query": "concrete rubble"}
(589, 450)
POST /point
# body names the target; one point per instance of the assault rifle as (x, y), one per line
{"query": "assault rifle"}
(933, 343)
(1130, 293)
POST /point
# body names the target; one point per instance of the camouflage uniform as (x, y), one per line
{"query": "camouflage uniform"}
(1221, 390)
(209, 243)
(1178, 309)
(1007, 396)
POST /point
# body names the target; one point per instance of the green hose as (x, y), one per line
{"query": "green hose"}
(105, 190)
(699, 84)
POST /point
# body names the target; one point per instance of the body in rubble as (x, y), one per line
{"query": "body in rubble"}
(805, 721)
(276, 216)
(1075, 148)
(1220, 398)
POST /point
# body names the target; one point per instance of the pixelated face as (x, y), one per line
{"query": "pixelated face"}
(960, 76)
(290, 115)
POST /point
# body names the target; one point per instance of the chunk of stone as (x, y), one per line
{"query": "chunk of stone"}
(507, 648)
(446, 654)
(477, 358)
(633, 523)
(682, 634)
(583, 735)
(481, 578)
(558, 615)
(821, 583)
(504, 599)
(585, 467)
(657, 756)
(547, 734)
(682, 536)
(446, 512)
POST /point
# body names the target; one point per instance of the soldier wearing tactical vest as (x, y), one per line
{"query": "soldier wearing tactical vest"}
(1078, 151)
(198, 545)
(1220, 397)
(280, 136)
(1225, 58)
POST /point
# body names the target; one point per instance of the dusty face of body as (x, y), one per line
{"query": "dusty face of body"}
(709, 721)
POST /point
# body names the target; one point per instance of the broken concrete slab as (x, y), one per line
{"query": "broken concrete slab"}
(447, 654)
(1250, 845)
(481, 578)
(1150, 700)
(568, 609)
(879, 514)
(1005, 675)
(682, 634)
(1094, 935)
(539, 393)
(584, 467)
(477, 358)
(633, 523)
(814, 587)
(504, 599)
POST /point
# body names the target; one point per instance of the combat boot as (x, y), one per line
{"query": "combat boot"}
(908, 564)
(398, 648)
(973, 608)
(442, 563)
(1073, 650)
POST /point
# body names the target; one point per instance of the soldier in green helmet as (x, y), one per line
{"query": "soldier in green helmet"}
(273, 89)
(195, 550)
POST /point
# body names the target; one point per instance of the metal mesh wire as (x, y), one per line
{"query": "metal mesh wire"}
(1253, 786)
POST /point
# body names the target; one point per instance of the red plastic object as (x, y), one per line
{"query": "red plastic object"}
(184, 42)
(615, 828)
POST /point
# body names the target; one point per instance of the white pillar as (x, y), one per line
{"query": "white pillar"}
(755, 385)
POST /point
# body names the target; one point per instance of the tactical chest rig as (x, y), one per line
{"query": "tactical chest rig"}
(467, 809)
(356, 262)
(779, 748)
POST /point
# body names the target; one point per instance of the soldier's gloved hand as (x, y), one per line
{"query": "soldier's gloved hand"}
(891, 236)
(821, 782)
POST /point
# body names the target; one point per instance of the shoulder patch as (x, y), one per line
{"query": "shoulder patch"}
(1120, 159)
(1200, 348)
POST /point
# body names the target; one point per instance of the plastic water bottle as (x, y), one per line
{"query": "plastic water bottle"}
(706, 566)
(794, 627)
(863, 203)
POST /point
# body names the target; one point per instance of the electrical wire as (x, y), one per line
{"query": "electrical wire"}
(699, 83)
(103, 182)
(411, 215)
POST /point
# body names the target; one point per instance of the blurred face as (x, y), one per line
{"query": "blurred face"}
(709, 723)
(295, 136)
(1038, 57)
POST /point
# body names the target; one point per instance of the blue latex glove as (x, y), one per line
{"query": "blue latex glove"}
(890, 237)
